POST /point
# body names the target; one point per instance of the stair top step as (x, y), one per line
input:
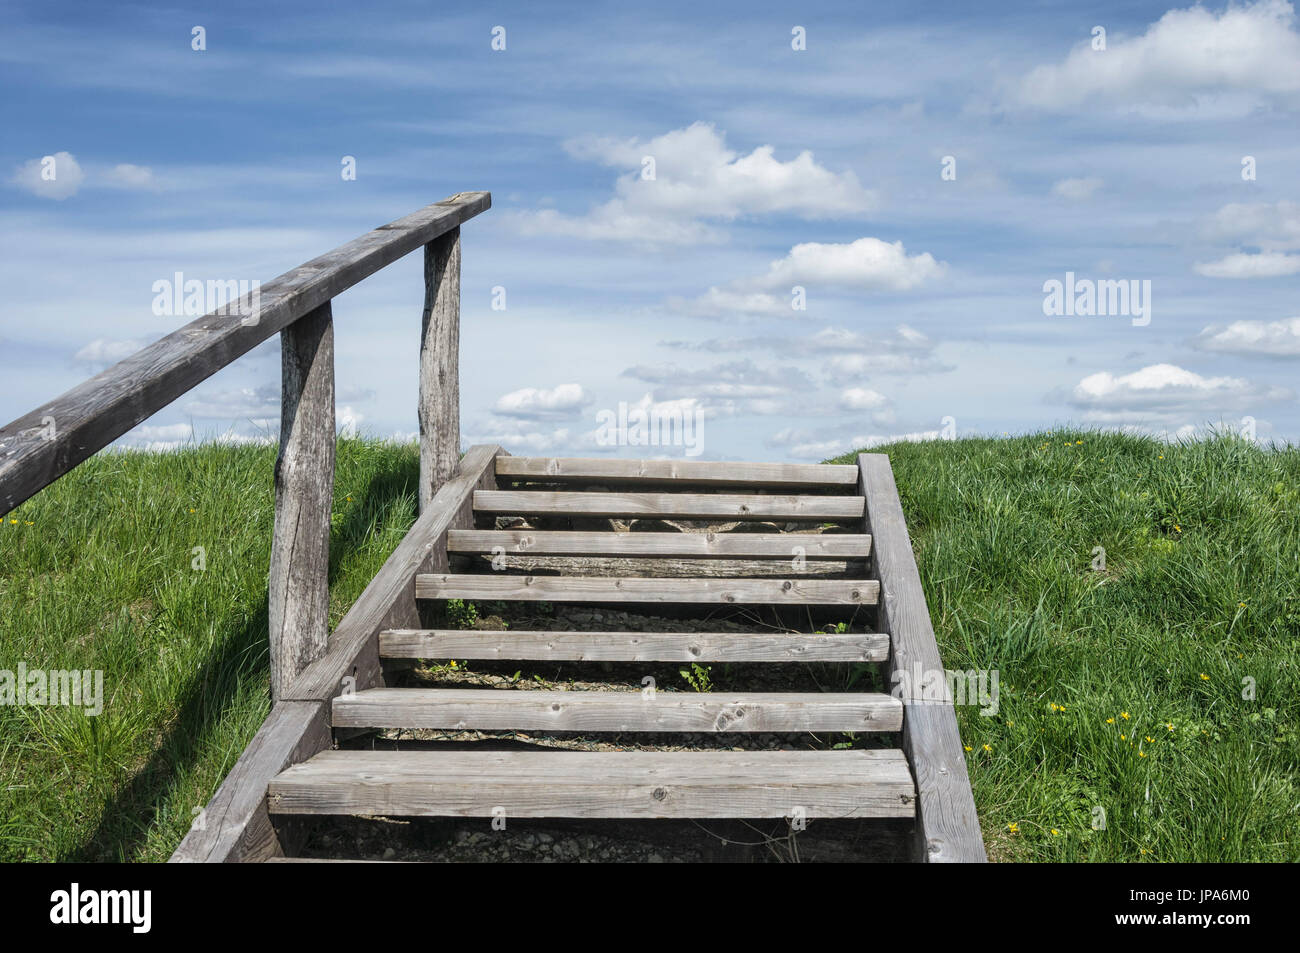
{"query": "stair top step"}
(633, 646)
(455, 709)
(678, 472)
(626, 784)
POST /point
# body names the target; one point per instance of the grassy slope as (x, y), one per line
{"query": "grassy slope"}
(103, 578)
(1200, 590)
(1121, 689)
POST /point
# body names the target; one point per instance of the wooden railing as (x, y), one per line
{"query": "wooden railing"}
(40, 447)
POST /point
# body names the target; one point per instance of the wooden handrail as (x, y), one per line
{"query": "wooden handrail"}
(38, 448)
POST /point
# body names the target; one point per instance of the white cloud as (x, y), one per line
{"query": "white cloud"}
(698, 180)
(57, 176)
(867, 264)
(1189, 61)
(1255, 338)
(1076, 190)
(1166, 393)
(1269, 226)
(1269, 264)
(127, 176)
(533, 402)
(862, 398)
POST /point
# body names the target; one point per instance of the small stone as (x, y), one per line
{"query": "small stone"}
(389, 853)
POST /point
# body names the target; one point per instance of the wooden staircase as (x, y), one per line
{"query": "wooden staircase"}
(563, 531)
(526, 531)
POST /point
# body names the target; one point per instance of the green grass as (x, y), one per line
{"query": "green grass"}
(98, 574)
(1201, 589)
(1200, 593)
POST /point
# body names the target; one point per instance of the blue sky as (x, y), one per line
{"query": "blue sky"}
(775, 169)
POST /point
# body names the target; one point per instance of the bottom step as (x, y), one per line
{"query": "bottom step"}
(615, 784)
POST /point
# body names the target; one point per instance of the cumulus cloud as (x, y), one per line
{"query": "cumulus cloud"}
(867, 264)
(861, 398)
(1076, 190)
(535, 402)
(1166, 394)
(1253, 338)
(56, 176)
(697, 181)
(1189, 61)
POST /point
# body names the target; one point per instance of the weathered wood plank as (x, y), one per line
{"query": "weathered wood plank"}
(633, 646)
(389, 600)
(723, 506)
(947, 824)
(685, 545)
(678, 472)
(39, 447)
(439, 402)
(298, 583)
(610, 784)
(796, 591)
(235, 827)
(528, 710)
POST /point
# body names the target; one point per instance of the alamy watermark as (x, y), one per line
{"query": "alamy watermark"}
(179, 295)
(945, 686)
(1088, 298)
(655, 425)
(40, 687)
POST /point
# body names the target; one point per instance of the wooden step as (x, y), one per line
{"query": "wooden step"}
(794, 476)
(633, 646)
(677, 545)
(487, 709)
(508, 587)
(696, 506)
(604, 784)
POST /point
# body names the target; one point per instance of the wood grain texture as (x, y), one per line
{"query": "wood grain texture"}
(41, 446)
(298, 592)
(528, 710)
(633, 646)
(235, 827)
(608, 784)
(677, 472)
(439, 401)
(389, 600)
(722, 506)
(796, 591)
(947, 824)
(786, 546)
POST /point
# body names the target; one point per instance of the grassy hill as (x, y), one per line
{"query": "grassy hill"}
(1120, 688)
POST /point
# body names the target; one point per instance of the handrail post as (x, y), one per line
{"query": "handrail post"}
(439, 408)
(298, 587)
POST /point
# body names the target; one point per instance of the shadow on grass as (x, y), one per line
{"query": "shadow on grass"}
(135, 810)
